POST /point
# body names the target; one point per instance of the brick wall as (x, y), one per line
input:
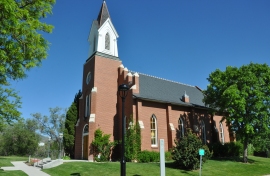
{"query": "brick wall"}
(217, 120)
(107, 75)
(103, 104)
(146, 110)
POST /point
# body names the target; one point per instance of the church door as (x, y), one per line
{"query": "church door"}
(85, 142)
(85, 147)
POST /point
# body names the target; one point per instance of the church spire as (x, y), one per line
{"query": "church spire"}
(103, 36)
(103, 14)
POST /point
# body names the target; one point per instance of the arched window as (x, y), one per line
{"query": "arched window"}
(181, 127)
(86, 130)
(221, 132)
(88, 78)
(153, 131)
(203, 132)
(107, 41)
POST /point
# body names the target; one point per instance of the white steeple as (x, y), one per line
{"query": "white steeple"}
(103, 36)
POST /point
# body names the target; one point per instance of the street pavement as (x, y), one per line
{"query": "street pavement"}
(29, 170)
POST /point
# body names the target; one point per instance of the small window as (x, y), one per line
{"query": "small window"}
(203, 132)
(86, 129)
(88, 78)
(153, 131)
(107, 41)
(221, 132)
(87, 106)
(181, 127)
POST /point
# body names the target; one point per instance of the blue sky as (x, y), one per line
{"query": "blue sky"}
(179, 40)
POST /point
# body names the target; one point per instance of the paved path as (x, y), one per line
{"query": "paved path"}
(29, 170)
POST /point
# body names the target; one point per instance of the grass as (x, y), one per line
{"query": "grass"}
(256, 167)
(6, 162)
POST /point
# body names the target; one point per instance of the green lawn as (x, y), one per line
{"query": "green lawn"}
(257, 167)
(5, 161)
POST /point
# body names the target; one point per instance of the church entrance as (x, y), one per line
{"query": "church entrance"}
(85, 142)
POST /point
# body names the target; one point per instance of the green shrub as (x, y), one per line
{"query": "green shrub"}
(155, 156)
(66, 158)
(144, 157)
(207, 153)
(148, 156)
(102, 146)
(251, 149)
(152, 156)
(168, 156)
(133, 141)
(186, 152)
(230, 149)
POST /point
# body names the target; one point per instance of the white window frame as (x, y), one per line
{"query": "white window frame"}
(203, 132)
(181, 127)
(221, 133)
(153, 132)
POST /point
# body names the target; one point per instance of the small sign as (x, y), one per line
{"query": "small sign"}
(201, 152)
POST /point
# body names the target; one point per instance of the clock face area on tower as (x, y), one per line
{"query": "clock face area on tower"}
(88, 78)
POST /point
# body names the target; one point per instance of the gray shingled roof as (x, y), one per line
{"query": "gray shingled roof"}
(103, 14)
(157, 89)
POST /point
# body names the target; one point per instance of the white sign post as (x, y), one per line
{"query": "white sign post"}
(162, 157)
(201, 153)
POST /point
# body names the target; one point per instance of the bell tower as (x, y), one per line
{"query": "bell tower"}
(98, 103)
(103, 36)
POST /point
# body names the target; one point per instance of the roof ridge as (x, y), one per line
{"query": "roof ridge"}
(162, 78)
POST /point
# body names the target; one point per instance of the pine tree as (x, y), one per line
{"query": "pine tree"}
(71, 120)
(69, 131)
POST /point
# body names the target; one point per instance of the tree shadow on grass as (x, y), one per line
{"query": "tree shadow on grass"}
(172, 165)
(235, 159)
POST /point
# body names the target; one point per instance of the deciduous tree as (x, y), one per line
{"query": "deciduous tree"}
(19, 138)
(9, 104)
(51, 125)
(22, 47)
(243, 96)
(21, 44)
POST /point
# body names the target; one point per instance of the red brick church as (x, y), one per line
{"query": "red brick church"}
(164, 109)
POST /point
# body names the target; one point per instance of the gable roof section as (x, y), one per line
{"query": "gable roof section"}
(103, 14)
(161, 90)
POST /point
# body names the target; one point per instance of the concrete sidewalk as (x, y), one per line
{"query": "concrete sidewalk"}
(29, 170)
